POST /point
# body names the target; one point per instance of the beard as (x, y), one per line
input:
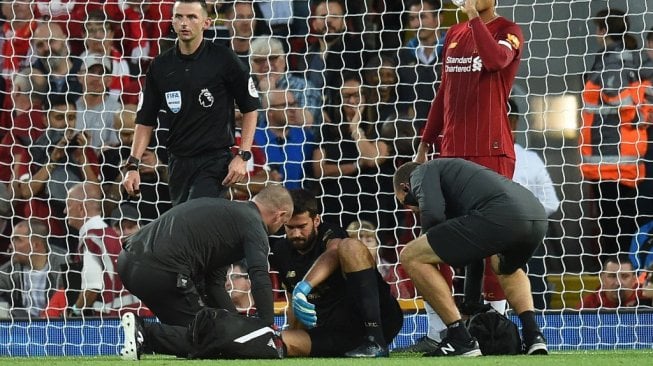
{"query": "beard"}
(304, 244)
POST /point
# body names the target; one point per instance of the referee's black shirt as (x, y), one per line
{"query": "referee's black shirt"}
(197, 94)
(199, 237)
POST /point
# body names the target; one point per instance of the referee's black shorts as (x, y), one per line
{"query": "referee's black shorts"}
(345, 331)
(198, 176)
(462, 240)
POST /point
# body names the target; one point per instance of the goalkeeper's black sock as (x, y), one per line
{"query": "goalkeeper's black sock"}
(457, 330)
(364, 290)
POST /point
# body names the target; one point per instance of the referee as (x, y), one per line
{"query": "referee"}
(193, 86)
(177, 264)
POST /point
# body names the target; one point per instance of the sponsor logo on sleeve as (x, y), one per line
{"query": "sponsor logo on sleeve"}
(252, 88)
(173, 99)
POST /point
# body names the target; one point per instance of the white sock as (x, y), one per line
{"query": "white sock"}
(499, 305)
(436, 325)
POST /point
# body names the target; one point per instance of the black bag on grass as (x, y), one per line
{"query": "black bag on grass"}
(218, 333)
(496, 334)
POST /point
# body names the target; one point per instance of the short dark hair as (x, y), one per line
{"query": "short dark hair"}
(53, 99)
(616, 24)
(402, 175)
(201, 2)
(434, 4)
(619, 260)
(304, 201)
(315, 3)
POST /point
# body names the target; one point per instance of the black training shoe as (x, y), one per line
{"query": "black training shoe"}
(132, 327)
(369, 349)
(423, 345)
(454, 347)
(536, 345)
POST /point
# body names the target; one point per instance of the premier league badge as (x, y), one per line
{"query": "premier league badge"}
(206, 98)
(173, 99)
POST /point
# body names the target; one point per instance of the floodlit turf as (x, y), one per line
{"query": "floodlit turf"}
(593, 358)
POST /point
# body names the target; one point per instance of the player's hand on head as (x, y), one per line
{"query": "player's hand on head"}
(304, 311)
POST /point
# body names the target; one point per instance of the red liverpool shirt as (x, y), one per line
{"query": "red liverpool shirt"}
(470, 110)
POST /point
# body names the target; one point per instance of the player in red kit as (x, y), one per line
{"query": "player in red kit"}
(469, 116)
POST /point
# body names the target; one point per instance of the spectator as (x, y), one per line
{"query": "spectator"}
(380, 80)
(241, 23)
(102, 291)
(619, 287)
(96, 108)
(531, 172)
(125, 220)
(349, 160)
(420, 60)
(645, 188)
(612, 139)
(51, 57)
(26, 117)
(323, 62)
(57, 160)
(287, 145)
(113, 155)
(268, 66)
(17, 30)
(239, 287)
(99, 39)
(35, 270)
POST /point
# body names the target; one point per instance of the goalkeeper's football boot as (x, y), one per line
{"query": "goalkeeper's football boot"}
(369, 349)
(536, 345)
(423, 345)
(132, 327)
(456, 347)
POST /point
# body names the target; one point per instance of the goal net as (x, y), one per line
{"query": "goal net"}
(345, 89)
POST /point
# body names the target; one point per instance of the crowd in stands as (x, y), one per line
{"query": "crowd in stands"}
(345, 92)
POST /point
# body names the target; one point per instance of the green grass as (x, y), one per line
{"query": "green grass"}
(589, 358)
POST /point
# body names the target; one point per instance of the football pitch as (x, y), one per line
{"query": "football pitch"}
(593, 358)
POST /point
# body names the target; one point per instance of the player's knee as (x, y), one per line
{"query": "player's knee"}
(407, 256)
(353, 250)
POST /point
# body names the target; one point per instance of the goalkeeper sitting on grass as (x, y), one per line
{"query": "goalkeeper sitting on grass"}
(340, 305)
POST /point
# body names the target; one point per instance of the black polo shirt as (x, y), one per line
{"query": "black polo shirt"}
(199, 237)
(197, 94)
(292, 267)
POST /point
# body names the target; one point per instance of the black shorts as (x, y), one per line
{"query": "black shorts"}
(347, 331)
(468, 238)
(198, 176)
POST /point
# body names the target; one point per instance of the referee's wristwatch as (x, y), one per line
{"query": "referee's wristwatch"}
(132, 163)
(245, 155)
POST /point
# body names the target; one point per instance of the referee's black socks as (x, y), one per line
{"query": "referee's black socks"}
(363, 288)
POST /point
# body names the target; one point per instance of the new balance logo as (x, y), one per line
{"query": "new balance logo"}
(477, 64)
(447, 349)
(139, 337)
